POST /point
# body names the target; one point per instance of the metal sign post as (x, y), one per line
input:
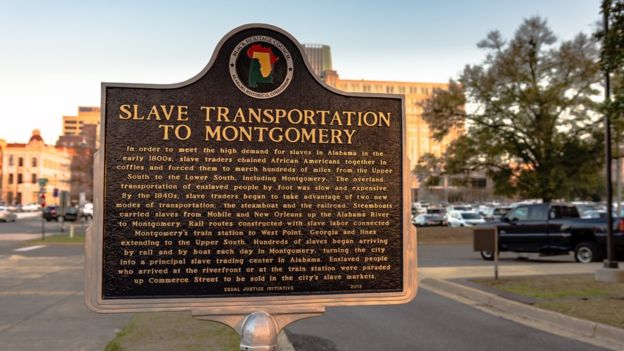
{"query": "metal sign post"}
(255, 196)
(42, 202)
(496, 254)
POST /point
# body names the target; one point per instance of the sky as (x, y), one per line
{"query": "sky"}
(55, 54)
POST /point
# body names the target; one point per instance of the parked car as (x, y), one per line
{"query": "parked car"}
(71, 214)
(464, 219)
(51, 213)
(555, 229)
(6, 215)
(424, 220)
(54, 213)
(31, 207)
(436, 211)
(87, 211)
(495, 213)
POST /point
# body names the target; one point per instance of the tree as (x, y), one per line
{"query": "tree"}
(612, 60)
(531, 115)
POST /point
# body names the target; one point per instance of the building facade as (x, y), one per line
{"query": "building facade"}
(419, 139)
(81, 148)
(87, 115)
(319, 57)
(24, 164)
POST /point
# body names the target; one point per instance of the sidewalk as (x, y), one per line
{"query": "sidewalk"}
(42, 304)
(506, 271)
(446, 281)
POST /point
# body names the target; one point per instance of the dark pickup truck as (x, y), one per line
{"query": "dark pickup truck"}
(555, 229)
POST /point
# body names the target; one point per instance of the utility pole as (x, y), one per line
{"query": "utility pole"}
(610, 262)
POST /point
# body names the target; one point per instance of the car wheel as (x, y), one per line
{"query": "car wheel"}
(487, 255)
(586, 252)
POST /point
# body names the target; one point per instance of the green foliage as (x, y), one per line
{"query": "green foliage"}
(531, 117)
(612, 60)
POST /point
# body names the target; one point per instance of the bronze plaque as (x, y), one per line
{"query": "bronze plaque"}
(253, 180)
(484, 239)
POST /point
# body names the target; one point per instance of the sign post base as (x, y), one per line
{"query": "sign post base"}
(259, 330)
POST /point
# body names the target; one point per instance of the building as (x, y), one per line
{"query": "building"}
(319, 57)
(81, 138)
(81, 148)
(24, 164)
(87, 115)
(3, 145)
(419, 138)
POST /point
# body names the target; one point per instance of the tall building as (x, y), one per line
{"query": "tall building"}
(87, 115)
(24, 164)
(319, 57)
(419, 138)
(81, 148)
(81, 137)
(3, 145)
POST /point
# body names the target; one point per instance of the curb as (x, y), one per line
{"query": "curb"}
(589, 329)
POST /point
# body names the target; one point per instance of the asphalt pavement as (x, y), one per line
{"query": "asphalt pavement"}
(430, 322)
(42, 304)
(461, 255)
(42, 296)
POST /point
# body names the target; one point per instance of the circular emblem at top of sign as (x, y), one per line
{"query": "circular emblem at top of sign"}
(261, 66)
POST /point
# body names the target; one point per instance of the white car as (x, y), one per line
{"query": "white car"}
(424, 219)
(87, 211)
(31, 207)
(464, 219)
(6, 215)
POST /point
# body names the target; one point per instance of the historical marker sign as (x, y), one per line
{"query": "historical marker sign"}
(251, 184)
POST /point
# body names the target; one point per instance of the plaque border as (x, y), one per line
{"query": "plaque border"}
(237, 305)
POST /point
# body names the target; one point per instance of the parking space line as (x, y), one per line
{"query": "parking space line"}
(29, 248)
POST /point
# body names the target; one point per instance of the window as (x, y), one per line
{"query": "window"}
(34, 162)
(475, 182)
(11, 178)
(563, 212)
(20, 162)
(11, 160)
(519, 213)
(20, 179)
(401, 90)
(33, 178)
(389, 90)
(538, 213)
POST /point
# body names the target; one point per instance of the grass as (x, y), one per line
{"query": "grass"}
(160, 331)
(580, 296)
(62, 239)
(444, 235)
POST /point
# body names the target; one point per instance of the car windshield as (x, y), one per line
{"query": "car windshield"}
(469, 215)
(501, 211)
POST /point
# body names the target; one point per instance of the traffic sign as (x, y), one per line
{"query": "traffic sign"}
(43, 182)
